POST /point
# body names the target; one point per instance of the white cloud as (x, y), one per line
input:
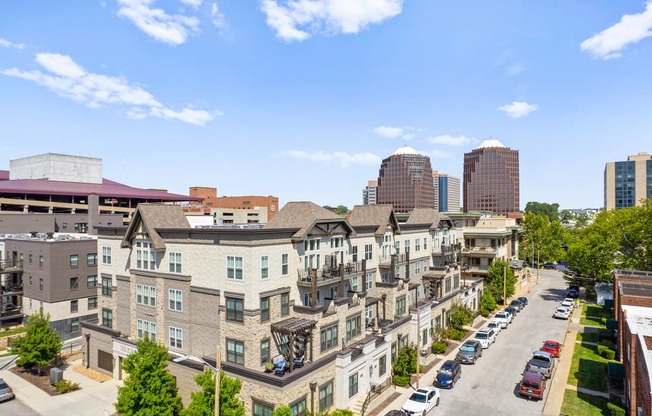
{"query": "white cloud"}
(341, 158)
(506, 61)
(405, 133)
(299, 19)
(514, 69)
(449, 140)
(193, 3)
(631, 29)
(439, 154)
(6, 44)
(518, 109)
(217, 17)
(68, 79)
(171, 29)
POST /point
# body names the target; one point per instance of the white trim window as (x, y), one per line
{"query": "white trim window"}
(146, 329)
(285, 267)
(264, 267)
(417, 244)
(368, 251)
(175, 297)
(106, 255)
(176, 337)
(145, 256)
(370, 281)
(234, 267)
(175, 262)
(146, 295)
(417, 267)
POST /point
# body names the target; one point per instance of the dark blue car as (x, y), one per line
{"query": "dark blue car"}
(448, 374)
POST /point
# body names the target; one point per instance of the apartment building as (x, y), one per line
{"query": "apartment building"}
(205, 200)
(627, 183)
(447, 192)
(53, 272)
(369, 193)
(333, 297)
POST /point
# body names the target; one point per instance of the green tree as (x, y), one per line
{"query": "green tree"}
(582, 221)
(487, 303)
(40, 344)
(460, 315)
(406, 361)
(341, 412)
(542, 239)
(282, 411)
(342, 210)
(541, 208)
(202, 403)
(149, 389)
(500, 276)
(230, 403)
(565, 216)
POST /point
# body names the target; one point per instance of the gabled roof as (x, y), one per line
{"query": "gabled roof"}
(153, 216)
(425, 216)
(378, 216)
(305, 215)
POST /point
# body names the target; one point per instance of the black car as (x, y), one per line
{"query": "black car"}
(448, 375)
(549, 265)
(516, 304)
(512, 310)
(396, 413)
(469, 352)
(572, 293)
(523, 301)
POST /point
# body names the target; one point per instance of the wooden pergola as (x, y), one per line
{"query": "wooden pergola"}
(294, 328)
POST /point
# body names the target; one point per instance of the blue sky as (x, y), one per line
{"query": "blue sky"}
(303, 99)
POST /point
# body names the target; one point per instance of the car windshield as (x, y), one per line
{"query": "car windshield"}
(530, 384)
(501, 315)
(550, 346)
(467, 348)
(481, 335)
(417, 397)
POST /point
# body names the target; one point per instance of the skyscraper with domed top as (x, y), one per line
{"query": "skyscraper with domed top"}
(491, 178)
(405, 181)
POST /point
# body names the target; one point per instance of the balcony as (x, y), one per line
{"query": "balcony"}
(329, 275)
(399, 259)
(10, 266)
(10, 312)
(11, 289)
(446, 250)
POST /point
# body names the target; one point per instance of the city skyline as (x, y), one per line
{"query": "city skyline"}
(264, 98)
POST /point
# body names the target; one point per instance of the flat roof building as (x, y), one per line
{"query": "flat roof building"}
(491, 178)
(627, 183)
(447, 192)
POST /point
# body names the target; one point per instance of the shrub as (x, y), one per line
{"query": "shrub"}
(456, 334)
(606, 352)
(615, 410)
(608, 343)
(487, 304)
(66, 386)
(401, 381)
(439, 347)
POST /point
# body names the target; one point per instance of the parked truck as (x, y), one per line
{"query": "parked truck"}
(542, 362)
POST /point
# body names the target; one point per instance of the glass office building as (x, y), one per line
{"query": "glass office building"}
(405, 181)
(491, 178)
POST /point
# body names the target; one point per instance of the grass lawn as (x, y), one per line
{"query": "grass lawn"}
(587, 336)
(576, 403)
(595, 315)
(8, 332)
(588, 370)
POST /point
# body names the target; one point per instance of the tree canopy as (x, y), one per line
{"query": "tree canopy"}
(149, 389)
(203, 402)
(500, 276)
(40, 344)
(542, 239)
(542, 208)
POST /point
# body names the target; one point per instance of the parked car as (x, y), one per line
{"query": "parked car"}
(523, 300)
(568, 303)
(532, 385)
(516, 304)
(469, 352)
(542, 362)
(549, 265)
(552, 347)
(572, 293)
(448, 374)
(496, 326)
(562, 312)
(486, 337)
(6, 393)
(511, 310)
(503, 318)
(421, 401)
(395, 413)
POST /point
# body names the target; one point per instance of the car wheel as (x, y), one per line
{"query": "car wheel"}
(437, 402)
(423, 413)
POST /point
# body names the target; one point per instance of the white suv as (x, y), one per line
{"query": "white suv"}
(503, 318)
(486, 337)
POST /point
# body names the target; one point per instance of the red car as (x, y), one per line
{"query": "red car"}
(552, 347)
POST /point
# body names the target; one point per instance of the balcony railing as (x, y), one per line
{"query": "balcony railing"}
(328, 275)
(11, 266)
(446, 249)
(386, 261)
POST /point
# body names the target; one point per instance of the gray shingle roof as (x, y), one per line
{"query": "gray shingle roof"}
(425, 216)
(378, 216)
(303, 215)
(155, 216)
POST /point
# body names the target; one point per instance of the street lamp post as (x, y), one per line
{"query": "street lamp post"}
(215, 369)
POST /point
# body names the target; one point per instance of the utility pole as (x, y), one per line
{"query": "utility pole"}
(218, 381)
(505, 287)
(418, 337)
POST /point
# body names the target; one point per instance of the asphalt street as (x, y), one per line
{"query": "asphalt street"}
(490, 387)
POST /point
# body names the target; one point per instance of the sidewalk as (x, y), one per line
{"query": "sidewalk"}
(559, 383)
(93, 399)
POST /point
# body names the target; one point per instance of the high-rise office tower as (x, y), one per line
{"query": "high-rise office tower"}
(628, 182)
(369, 193)
(405, 181)
(447, 192)
(491, 178)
